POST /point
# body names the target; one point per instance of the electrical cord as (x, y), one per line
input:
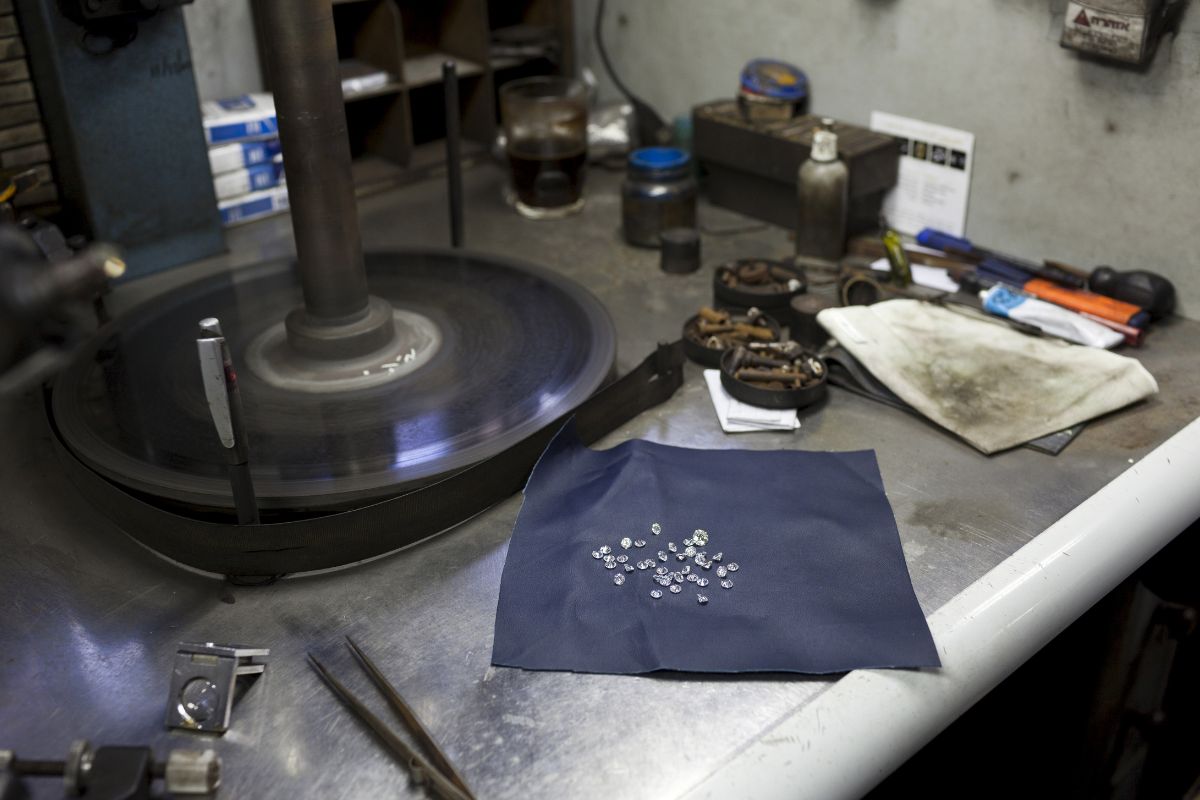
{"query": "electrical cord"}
(650, 126)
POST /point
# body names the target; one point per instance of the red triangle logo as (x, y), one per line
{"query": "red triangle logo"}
(1082, 18)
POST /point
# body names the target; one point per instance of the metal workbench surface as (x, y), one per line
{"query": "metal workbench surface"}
(89, 620)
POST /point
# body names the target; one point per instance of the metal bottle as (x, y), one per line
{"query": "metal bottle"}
(823, 192)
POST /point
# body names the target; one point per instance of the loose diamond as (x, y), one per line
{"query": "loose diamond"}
(688, 543)
(639, 542)
(618, 579)
(727, 584)
(678, 578)
(605, 550)
(700, 537)
(629, 567)
(693, 578)
(660, 571)
(671, 546)
(722, 572)
(718, 556)
(627, 543)
(690, 551)
(643, 565)
(610, 565)
(621, 559)
(656, 529)
(686, 569)
(702, 581)
(680, 557)
(596, 554)
(700, 598)
(676, 588)
(707, 565)
(656, 593)
(609, 559)
(663, 580)
(733, 567)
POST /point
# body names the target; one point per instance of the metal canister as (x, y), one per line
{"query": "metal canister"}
(771, 90)
(659, 194)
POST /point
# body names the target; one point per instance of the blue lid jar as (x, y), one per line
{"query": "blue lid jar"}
(659, 193)
(651, 162)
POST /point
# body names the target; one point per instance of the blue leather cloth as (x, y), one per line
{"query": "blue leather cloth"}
(822, 585)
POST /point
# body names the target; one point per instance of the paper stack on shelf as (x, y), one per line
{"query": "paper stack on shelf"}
(244, 154)
(359, 77)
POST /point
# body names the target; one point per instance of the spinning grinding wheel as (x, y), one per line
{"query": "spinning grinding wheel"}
(133, 409)
(350, 396)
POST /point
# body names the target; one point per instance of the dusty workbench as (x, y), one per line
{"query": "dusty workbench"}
(89, 620)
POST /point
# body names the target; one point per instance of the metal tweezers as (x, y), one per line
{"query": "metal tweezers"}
(444, 780)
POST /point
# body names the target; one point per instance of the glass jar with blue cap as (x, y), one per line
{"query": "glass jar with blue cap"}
(659, 194)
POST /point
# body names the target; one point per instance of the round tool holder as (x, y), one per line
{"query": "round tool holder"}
(706, 349)
(761, 283)
(809, 388)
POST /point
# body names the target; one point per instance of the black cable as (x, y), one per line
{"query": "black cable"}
(650, 126)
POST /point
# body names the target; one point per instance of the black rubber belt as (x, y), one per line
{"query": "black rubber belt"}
(344, 538)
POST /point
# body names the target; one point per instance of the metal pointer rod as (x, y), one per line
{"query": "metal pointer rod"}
(225, 405)
(453, 154)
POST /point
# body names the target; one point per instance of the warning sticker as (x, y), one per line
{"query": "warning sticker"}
(1106, 33)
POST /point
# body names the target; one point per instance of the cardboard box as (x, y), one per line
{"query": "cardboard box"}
(239, 119)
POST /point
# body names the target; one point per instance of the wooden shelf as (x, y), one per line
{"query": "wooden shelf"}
(374, 174)
(396, 127)
(391, 87)
(427, 69)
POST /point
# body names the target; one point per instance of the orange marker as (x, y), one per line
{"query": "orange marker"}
(1086, 302)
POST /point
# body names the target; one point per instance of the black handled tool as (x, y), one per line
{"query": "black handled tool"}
(1142, 288)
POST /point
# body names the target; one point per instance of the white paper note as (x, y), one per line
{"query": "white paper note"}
(923, 275)
(738, 417)
(935, 175)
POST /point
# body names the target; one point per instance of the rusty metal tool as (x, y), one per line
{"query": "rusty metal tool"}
(443, 779)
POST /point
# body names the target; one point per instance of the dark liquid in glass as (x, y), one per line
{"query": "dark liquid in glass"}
(547, 172)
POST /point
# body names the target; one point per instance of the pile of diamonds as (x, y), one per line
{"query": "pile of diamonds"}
(662, 574)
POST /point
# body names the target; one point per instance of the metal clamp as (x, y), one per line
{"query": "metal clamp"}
(205, 683)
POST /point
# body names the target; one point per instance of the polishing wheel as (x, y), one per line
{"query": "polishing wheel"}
(344, 379)
(509, 348)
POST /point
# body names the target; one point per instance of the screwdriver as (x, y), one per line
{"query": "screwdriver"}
(1147, 290)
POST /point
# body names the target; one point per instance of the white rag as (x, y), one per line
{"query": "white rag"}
(993, 386)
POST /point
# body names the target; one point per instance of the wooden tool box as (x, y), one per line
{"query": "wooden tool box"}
(751, 167)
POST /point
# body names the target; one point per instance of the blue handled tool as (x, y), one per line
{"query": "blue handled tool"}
(1147, 290)
(958, 245)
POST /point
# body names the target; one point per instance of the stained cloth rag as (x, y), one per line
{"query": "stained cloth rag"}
(993, 386)
(821, 585)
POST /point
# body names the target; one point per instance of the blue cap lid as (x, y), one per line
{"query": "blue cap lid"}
(659, 158)
(777, 79)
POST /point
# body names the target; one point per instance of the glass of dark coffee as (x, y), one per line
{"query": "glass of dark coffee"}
(545, 125)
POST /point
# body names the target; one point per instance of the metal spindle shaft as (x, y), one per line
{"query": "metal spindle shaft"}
(302, 60)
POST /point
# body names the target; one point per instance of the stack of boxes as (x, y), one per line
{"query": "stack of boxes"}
(247, 165)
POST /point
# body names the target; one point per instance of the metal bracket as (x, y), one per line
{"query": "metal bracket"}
(205, 683)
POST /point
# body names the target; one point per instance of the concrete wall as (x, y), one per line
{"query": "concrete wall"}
(1075, 159)
(224, 54)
